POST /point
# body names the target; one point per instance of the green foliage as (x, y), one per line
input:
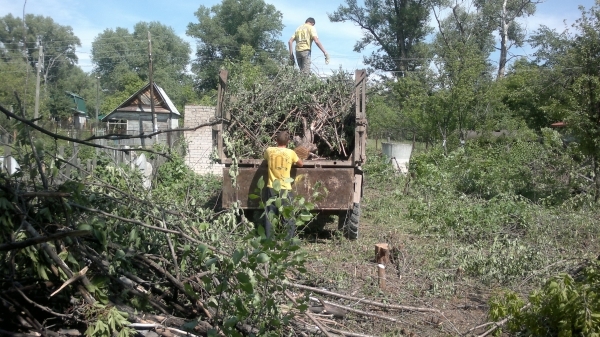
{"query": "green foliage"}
(59, 42)
(175, 177)
(567, 305)
(223, 29)
(121, 61)
(108, 322)
(396, 30)
(503, 18)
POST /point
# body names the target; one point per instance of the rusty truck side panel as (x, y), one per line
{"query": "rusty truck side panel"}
(336, 186)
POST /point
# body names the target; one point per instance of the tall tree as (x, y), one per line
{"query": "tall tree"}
(502, 16)
(459, 102)
(223, 29)
(59, 42)
(574, 60)
(395, 27)
(117, 53)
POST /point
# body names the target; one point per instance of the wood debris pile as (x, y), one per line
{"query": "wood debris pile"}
(318, 113)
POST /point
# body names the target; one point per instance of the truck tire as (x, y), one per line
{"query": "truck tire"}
(349, 221)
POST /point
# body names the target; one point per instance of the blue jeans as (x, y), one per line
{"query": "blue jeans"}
(269, 193)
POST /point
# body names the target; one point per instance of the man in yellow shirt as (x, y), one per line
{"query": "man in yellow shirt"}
(304, 37)
(280, 160)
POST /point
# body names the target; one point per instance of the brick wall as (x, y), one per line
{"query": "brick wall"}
(200, 142)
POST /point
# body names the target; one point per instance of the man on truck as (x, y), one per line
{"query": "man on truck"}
(280, 160)
(304, 37)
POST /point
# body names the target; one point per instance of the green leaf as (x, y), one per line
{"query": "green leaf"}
(231, 322)
(243, 277)
(262, 258)
(133, 235)
(190, 291)
(238, 254)
(261, 183)
(84, 227)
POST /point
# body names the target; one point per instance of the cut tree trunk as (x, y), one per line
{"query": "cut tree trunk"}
(382, 253)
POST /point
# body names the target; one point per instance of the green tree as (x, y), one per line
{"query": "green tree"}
(396, 28)
(223, 29)
(462, 76)
(117, 54)
(59, 42)
(525, 92)
(573, 60)
(501, 16)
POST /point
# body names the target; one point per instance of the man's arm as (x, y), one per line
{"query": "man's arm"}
(318, 43)
(291, 44)
(299, 163)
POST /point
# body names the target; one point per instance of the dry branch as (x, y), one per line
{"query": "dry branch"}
(311, 317)
(362, 300)
(360, 312)
(61, 264)
(41, 239)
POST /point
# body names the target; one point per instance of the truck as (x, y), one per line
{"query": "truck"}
(343, 179)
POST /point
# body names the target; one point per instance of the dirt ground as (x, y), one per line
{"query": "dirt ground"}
(412, 279)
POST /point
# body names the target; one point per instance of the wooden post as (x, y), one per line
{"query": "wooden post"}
(381, 275)
(382, 253)
(7, 161)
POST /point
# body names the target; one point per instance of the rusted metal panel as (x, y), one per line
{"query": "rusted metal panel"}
(245, 162)
(339, 183)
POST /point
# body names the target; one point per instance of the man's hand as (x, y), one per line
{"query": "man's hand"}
(326, 58)
(292, 60)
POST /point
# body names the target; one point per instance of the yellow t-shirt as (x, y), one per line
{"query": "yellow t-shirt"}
(280, 162)
(304, 36)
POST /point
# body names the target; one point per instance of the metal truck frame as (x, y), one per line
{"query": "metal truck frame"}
(343, 179)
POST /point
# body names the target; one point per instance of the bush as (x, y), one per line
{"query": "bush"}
(567, 305)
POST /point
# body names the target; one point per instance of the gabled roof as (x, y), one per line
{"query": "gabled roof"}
(79, 101)
(140, 103)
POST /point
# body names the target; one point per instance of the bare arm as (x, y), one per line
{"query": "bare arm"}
(290, 45)
(299, 163)
(318, 43)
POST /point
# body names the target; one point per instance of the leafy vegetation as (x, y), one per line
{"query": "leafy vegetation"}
(494, 199)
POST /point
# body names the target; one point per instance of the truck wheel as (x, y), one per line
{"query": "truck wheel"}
(349, 220)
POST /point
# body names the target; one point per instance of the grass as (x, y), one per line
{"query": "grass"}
(453, 258)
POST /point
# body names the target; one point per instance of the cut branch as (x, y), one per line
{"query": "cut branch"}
(362, 300)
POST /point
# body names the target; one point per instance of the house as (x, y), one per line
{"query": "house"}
(134, 116)
(78, 108)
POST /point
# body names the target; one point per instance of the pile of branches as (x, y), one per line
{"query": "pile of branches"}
(318, 113)
(89, 257)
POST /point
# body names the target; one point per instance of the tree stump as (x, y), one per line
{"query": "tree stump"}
(381, 275)
(382, 253)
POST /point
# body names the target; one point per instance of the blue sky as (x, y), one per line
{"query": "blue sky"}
(90, 18)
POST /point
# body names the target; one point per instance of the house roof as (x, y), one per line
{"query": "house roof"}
(140, 103)
(79, 101)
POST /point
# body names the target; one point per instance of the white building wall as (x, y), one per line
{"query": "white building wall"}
(200, 141)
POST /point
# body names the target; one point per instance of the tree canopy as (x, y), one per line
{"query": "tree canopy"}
(223, 29)
(396, 28)
(121, 56)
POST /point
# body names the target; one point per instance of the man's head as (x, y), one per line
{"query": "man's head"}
(310, 20)
(283, 137)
